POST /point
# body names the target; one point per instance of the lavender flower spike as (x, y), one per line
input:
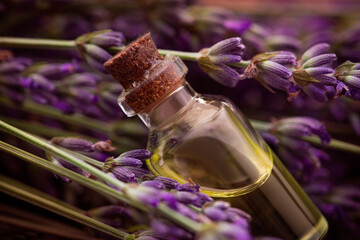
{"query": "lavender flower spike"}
(214, 60)
(349, 74)
(75, 144)
(315, 73)
(91, 45)
(272, 70)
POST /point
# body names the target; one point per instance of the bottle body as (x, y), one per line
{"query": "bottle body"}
(208, 140)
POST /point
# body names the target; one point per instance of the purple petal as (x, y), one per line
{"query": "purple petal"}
(168, 182)
(123, 174)
(225, 58)
(214, 213)
(352, 81)
(226, 75)
(75, 144)
(153, 184)
(275, 68)
(315, 51)
(141, 154)
(127, 161)
(320, 60)
(227, 45)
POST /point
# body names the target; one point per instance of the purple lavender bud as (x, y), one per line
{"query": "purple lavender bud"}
(222, 205)
(225, 58)
(141, 154)
(240, 213)
(285, 58)
(11, 67)
(275, 68)
(58, 70)
(138, 172)
(123, 174)
(269, 138)
(97, 53)
(41, 82)
(127, 161)
(214, 214)
(202, 199)
(274, 81)
(326, 80)
(352, 81)
(225, 75)
(147, 195)
(153, 184)
(226, 46)
(186, 197)
(320, 60)
(75, 144)
(168, 182)
(108, 39)
(188, 187)
(315, 51)
(313, 71)
(186, 211)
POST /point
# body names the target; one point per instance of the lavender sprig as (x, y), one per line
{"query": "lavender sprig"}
(216, 59)
(91, 47)
(272, 70)
(314, 73)
(302, 159)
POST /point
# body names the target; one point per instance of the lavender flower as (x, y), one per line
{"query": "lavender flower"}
(315, 72)
(91, 45)
(271, 70)
(214, 61)
(349, 74)
(75, 144)
(302, 159)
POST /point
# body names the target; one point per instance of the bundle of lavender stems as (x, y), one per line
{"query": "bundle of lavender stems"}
(73, 166)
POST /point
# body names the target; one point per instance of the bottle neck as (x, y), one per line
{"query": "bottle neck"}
(173, 104)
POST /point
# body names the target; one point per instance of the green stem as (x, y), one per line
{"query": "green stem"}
(37, 43)
(35, 197)
(13, 42)
(334, 143)
(168, 213)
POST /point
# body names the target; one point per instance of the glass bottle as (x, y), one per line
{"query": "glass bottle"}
(206, 139)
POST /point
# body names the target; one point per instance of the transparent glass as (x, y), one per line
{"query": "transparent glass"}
(206, 138)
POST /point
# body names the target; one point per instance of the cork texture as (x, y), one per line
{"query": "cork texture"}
(128, 67)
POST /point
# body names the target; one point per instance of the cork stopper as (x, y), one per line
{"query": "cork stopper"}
(147, 77)
(129, 66)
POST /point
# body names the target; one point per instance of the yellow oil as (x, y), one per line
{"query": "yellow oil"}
(232, 163)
